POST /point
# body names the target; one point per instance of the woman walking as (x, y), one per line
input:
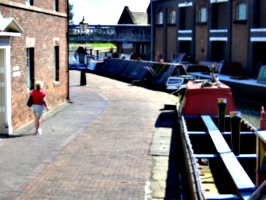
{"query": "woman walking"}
(38, 102)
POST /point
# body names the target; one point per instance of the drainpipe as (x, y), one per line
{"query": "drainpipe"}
(152, 31)
(67, 35)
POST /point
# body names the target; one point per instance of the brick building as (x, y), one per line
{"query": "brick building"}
(210, 30)
(33, 46)
(135, 18)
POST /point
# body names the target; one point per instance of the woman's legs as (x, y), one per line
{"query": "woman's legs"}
(37, 111)
(37, 123)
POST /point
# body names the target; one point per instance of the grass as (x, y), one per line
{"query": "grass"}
(73, 46)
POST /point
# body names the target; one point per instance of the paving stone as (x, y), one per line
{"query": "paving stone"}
(99, 148)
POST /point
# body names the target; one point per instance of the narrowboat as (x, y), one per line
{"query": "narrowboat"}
(218, 145)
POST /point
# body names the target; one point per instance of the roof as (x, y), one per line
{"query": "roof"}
(9, 27)
(140, 17)
(128, 17)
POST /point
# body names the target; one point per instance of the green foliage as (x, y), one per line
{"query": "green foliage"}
(96, 44)
(70, 13)
(104, 47)
(180, 97)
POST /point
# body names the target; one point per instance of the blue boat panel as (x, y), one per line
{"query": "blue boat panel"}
(241, 156)
(205, 156)
(208, 122)
(216, 136)
(77, 66)
(238, 174)
(219, 142)
(222, 196)
(223, 133)
(262, 135)
(244, 156)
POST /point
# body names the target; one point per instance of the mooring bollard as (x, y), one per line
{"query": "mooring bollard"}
(83, 80)
(235, 118)
(262, 119)
(221, 113)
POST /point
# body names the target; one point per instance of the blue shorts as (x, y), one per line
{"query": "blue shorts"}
(37, 110)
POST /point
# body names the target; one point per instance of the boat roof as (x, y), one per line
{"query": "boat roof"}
(205, 84)
(201, 98)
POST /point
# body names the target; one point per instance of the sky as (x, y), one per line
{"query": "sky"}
(104, 12)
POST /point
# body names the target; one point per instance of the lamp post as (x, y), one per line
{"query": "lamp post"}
(83, 27)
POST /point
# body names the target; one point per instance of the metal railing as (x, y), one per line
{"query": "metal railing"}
(110, 33)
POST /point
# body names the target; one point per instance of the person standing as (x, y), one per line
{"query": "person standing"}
(38, 103)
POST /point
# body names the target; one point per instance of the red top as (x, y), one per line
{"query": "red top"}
(204, 101)
(37, 97)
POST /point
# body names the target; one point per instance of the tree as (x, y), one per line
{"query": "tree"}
(71, 13)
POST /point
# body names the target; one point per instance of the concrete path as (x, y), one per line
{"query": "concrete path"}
(99, 148)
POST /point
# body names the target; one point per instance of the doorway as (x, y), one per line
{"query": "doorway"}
(5, 102)
(218, 51)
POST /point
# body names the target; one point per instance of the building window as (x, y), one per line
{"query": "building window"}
(56, 63)
(160, 18)
(241, 12)
(30, 68)
(203, 15)
(185, 14)
(56, 5)
(29, 2)
(172, 17)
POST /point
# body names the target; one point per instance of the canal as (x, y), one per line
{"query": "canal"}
(250, 111)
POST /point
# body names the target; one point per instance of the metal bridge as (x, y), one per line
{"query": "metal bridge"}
(121, 33)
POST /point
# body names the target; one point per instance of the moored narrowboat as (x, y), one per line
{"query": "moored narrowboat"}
(219, 146)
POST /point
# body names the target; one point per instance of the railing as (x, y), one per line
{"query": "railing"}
(110, 33)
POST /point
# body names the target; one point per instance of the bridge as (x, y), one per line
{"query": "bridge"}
(121, 33)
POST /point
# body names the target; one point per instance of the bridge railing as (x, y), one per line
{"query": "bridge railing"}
(111, 33)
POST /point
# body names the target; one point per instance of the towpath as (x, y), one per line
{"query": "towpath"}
(100, 147)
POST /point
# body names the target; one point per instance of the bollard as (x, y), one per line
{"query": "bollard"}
(157, 57)
(83, 80)
(235, 118)
(161, 59)
(262, 119)
(97, 54)
(221, 113)
(173, 56)
(212, 74)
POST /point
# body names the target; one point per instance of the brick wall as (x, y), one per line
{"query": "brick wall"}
(171, 42)
(45, 4)
(42, 32)
(201, 37)
(158, 47)
(171, 35)
(239, 40)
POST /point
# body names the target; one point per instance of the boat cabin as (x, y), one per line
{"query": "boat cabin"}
(201, 98)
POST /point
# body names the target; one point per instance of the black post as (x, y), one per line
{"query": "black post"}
(83, 80)
(97, 54)
(91, 52)
(235, 118)
(221, 113)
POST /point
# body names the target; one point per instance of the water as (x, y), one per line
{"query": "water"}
(250, 111)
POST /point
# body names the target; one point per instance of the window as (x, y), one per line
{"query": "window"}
(142, 49)
(202, 15)
(241, 12)
(56, 63)
(160, 18)
(56, 5)
(30, 68)
(29, 2)
(172, 17)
